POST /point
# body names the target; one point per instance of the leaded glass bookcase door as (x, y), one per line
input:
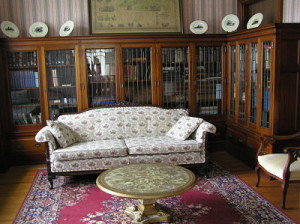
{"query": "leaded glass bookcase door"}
(101, 76)
(209, 80)
(265, 84)
(253, 82)
(24, 87)
(175, 77)
(61, 82)
(137, 76)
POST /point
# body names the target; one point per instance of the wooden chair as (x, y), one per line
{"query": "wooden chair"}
(284, 167)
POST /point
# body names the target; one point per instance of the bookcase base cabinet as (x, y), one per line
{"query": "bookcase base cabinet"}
(25, 150)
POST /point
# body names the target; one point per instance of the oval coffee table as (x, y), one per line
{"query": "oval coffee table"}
(146, 182)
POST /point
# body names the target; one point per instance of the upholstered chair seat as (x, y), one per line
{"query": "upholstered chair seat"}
(285, 166)
(275, 164)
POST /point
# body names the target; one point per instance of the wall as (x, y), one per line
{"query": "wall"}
(55, 12)
(291, 11)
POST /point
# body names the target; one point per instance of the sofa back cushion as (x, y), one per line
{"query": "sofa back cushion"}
(150, 121)
(121, 122)
(109, 124)
(82, 124)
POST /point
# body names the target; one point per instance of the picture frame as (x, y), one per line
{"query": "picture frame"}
(135, 16)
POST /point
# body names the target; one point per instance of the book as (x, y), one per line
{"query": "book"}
(54, 78)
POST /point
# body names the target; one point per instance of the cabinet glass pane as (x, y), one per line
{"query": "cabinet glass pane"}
(175, 70)
(241, 76)
(101, 76)
(61, 79)
(253, 81)
(209, 80)
(232, 80)
(266, 80)
(137, 75)
(24, 87)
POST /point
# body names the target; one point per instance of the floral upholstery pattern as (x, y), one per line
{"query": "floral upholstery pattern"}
(184, 127)
(174, 158)
(109, 124)
(204, 127)
(88, 164)
(163, 119)
(45, 135)
(161, 145)
(78, 123)
(62, 133)
(111, 137)
(90, 150)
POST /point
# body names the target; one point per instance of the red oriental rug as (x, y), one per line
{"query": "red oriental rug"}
(221, 198)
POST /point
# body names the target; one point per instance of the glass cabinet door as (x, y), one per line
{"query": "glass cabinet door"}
(265, 84)
(209, 80)
(232, 81)
(175, 77)
(241, 84)
(24, 87)
(61, 79)
(137, 75)
(101, 76)
(253, 82)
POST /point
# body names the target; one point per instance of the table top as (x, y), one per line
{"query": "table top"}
(146, 181)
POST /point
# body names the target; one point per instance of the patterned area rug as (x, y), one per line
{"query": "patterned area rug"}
(221, 198)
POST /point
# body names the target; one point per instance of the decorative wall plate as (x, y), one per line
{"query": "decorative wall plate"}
(10, 29)
(198, 27)
(38, 29)
(66, 28)
(230, 23)
(255, 20)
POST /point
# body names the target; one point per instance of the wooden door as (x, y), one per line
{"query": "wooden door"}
(266, 83)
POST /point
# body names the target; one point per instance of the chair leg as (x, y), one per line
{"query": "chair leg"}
(284, 186)
(258, 173)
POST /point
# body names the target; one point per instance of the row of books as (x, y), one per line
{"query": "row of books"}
(61, 58)
(20, 59)
(28, 118)
(60, 77)
(24, 79)
(137, 72)
(178, 55)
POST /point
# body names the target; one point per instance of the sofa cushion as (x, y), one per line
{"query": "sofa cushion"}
(160, 145)
(172, 158)
(62, 133)
(90, 150)
(89, 164)
(79, 122)
(184, 127)
(161, 120)
(109, 124)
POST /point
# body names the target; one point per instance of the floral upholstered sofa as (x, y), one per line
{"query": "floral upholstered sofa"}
(104, 138)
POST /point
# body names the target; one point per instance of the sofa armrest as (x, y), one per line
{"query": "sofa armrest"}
(203, 129)
(45, 135)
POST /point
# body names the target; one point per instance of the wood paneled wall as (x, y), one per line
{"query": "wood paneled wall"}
(55, 12)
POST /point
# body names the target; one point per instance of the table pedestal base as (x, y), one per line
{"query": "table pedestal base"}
(147, 212)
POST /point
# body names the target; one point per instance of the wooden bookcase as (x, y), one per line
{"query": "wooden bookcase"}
(246, 83)
(263, 86)
(68, 75)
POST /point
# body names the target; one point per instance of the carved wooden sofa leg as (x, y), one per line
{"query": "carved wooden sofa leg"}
(50, 179)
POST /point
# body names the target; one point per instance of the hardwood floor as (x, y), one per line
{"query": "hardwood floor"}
(15, 184)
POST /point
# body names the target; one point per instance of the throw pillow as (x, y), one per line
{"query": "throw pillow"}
(62, 133)
(184, 127)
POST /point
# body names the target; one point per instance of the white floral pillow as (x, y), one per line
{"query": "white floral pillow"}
(184, 127)
(62, 133)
